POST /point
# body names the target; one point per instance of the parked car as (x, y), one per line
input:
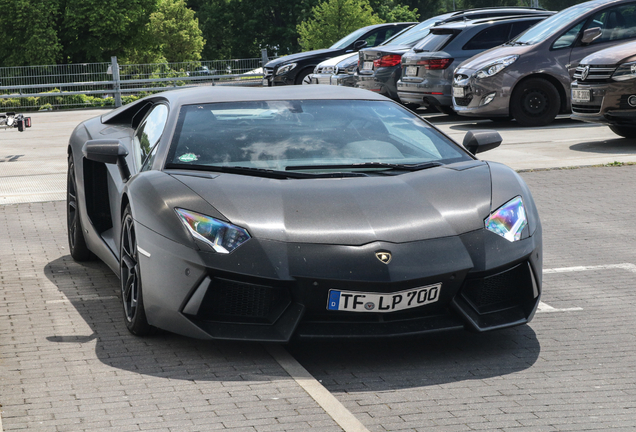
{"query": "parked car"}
(323, 73)
(322, 211)
(201, 71)
(604, 89)
(380, 70)
(427, 69)
(294, 68)
(529, 78)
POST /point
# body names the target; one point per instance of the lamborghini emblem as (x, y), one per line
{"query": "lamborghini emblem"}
(384, 257)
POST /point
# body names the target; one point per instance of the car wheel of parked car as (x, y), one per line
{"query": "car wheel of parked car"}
(624, 131)
(76, 242)
(130, 279)
(535, 102)
(303, 77)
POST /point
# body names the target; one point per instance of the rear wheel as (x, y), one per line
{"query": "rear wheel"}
(130, 279)
(535, 102)
(624, 131)
(76, 242)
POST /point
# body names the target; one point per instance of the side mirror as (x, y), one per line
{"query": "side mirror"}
(359, 44)
(108, 151)
(590, 35)
(481, 141)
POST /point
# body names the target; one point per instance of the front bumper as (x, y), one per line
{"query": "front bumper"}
(273, 291)
(608, 103)
(470, 95)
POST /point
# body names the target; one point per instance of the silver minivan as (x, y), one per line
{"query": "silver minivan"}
(528, 78)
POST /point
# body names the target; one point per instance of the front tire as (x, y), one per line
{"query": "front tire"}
(535, 102)
(303, 77)
(76, 241)
(130, 279)
(624, 131)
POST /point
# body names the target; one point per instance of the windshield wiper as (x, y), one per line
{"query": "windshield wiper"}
(363, 165)
(262, 172)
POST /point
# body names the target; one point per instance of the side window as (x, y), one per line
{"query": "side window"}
(489, 38)
(521, 26)
(616, 23)
(568, 38)
(375, 39)
(148, 133)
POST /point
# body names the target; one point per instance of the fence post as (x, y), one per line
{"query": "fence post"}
(264, 58)
(117, 82)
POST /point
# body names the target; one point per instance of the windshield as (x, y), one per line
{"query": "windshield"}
(555, 23)
(283, 135)
(412, 36)
(349, 39)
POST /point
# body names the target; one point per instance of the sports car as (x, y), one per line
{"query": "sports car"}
(300, 212)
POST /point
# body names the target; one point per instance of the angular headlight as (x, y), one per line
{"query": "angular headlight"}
(509, 220)
(497, 66)
(626, 71)
(284, 69)
(223, 237)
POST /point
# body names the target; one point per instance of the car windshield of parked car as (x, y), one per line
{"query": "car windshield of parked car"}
(349, 39)
(553, 24)
(415, 34)
(286, 135)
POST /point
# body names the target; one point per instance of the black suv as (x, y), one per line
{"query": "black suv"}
(294, 68)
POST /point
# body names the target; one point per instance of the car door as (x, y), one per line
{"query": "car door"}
(617, 24)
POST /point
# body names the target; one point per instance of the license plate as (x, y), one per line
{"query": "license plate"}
(265, 82)
(459, 92)
(367, 65)
(355, 301)
(411, 71)
(580, 95)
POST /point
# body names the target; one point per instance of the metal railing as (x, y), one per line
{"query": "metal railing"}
(114, 84)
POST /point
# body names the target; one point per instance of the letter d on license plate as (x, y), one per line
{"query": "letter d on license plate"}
(355, 301)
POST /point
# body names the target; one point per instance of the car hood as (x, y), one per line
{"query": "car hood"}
(485, 58)
(613, 55)
(335, 60)
(300, 56)
(433, 203)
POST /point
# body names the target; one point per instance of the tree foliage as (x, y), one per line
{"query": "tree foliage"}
(176, 30)
(27, 32)
(392, 11)
(334, 19)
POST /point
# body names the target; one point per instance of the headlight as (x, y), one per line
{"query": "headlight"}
(497, 66)
(626, 71)
(284, 69)
(223, 237)
(509, 220)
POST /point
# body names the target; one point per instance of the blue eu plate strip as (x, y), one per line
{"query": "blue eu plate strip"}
(334, 300)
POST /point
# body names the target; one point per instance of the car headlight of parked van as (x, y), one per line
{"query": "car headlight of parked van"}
(497, 66)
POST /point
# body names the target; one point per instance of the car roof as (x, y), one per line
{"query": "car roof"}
(482, 21)
(219, 94)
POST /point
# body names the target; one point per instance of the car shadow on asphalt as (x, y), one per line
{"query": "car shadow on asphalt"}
(367, 365)
(479, 124)
(613, 146)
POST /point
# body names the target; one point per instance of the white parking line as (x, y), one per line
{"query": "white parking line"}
(332, 406)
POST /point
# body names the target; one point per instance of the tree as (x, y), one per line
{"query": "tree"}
(333, 20)
(390, 11)
(95, 30)
(27, 32)
(176, 30)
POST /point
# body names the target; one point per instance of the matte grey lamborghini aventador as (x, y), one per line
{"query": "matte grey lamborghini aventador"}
(267, 214)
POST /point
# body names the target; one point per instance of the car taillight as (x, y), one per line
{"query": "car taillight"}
(388, 61)
(435, 63)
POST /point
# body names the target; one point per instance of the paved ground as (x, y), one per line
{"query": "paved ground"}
(67, 362)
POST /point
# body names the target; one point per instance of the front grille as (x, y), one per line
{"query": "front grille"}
(236, 301)
(500, 291)
(267, 72)
(463, 101)
(586, 109)
(595, 73)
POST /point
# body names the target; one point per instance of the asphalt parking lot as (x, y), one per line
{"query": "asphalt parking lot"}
(67, 362)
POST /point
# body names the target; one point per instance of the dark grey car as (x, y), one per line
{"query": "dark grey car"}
(427, 69)
(604, 89)
(529, 78)
(313, 211)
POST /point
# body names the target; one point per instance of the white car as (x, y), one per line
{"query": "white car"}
(323, 72)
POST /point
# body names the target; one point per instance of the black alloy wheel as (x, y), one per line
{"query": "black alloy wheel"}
(76, 242)
(130, 279)
(535, 102)
(624, 131)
